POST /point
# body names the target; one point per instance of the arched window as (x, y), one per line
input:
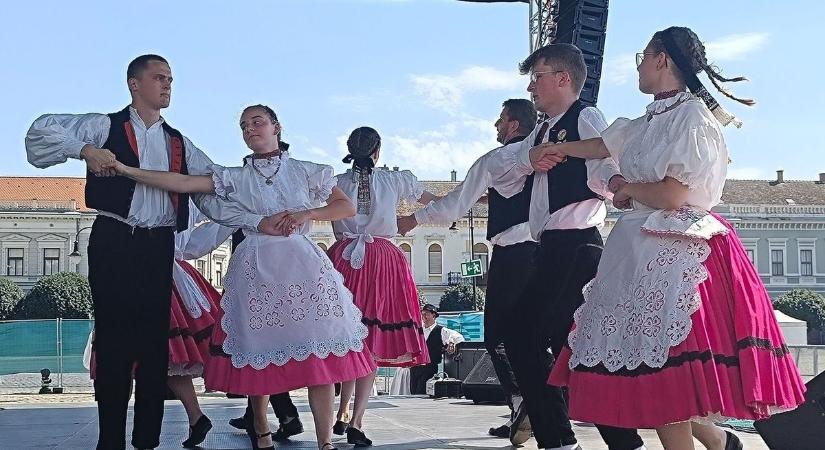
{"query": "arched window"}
(322, 245)
(480, 251)
(434, 258)
(407, 251)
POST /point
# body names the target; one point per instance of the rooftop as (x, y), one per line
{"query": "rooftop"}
(66, 193)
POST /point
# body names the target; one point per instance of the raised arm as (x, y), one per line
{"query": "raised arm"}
(457, 202)
(427, 197)
(54, 138)
(168, 181)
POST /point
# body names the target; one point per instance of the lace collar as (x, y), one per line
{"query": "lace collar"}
(659, 106)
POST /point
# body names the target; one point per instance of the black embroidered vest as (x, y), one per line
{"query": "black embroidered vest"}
(114, 194)
(503, 212)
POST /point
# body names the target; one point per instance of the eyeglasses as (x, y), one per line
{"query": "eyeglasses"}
(640, 57)
(534, 76)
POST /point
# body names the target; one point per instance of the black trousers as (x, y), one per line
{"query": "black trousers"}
(506, 280)
(564, 262)
(281, 404)
(130, 273)
(419, 376)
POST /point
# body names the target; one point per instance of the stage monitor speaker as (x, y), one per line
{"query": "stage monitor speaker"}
(466, 356)
(802, 428)
(583, 23)
(481, 384)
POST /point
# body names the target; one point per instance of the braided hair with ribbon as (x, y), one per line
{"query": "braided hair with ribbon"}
(362, 144)
(688, 54)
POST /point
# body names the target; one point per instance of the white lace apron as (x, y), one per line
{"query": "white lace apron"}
(640, 303)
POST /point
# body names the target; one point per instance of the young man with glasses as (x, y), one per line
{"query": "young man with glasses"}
(566, 210)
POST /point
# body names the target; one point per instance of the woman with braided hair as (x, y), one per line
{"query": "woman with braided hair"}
(676, 309)
(375, 270)
(286, 320)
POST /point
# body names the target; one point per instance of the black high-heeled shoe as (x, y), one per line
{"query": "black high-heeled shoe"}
(197, 432)
(733, 442)
(254, 436)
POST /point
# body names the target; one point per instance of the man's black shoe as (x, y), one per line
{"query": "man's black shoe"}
(288, 429)
(500, 432)
(239, 423)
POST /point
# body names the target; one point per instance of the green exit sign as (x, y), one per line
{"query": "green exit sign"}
(471, 268)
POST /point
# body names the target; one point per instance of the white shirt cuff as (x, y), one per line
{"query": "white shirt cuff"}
(251, 221)
(523, 160)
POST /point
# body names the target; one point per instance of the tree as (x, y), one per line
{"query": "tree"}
(10, 295)
(806, 305)
(64, 295)
(460, 298)
(422, 300)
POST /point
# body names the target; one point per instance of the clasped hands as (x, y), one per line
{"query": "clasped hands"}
(99, 161)
(284, 223)
(544, 157)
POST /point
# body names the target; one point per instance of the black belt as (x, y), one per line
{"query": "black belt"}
(136, 231)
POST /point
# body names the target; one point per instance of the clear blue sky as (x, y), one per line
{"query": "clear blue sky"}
(430, 75)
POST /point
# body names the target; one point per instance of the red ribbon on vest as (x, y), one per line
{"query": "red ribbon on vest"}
(175, 164)
(130, 136)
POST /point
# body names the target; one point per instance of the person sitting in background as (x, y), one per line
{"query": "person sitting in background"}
(439, 340)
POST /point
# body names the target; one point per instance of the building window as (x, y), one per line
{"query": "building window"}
(51, 261)
(777, 263)
(407, 251)
(434, 254)
(806, 262)
(14, 262)
(201, 266)
(322, 246)
(751, 256)
(218, 273)
(480, 251)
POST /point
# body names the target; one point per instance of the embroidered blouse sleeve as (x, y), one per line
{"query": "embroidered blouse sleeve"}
(615, 136)
(599, 171)
(224, 179)
(197, 241)
(697, 157)
(320, 179)
(410, 189)
(223, 207)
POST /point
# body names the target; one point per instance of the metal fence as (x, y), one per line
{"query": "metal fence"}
(810, 359)
(29, 346)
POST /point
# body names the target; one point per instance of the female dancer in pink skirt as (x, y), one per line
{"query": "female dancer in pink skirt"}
(286, 320)
(376, 271)
(676, 329)
(191, 320)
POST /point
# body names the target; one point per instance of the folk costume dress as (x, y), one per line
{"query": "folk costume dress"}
(286, 320)
(676, 310)
(375, 270)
